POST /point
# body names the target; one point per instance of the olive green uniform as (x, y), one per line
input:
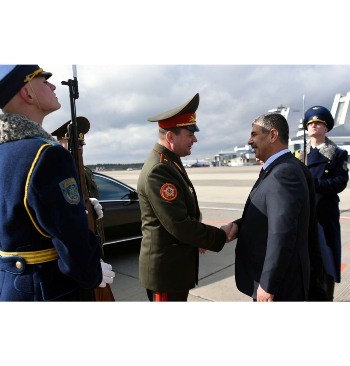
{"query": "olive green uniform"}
(172, 232)
(93, 193)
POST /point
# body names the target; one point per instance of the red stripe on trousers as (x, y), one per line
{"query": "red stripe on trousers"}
(161, 296)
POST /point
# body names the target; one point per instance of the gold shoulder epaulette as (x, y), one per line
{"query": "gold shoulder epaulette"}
(164, 159)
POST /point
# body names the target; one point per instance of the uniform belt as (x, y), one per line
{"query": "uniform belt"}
(35, 257)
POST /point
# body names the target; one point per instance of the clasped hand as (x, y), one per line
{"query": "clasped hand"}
(97, 207)
(107, 274)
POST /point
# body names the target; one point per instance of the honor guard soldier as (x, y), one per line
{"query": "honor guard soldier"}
(328, 166)
(172, 232)
(61, 134)
(47, 251)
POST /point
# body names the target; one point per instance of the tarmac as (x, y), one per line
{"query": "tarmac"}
(221, 192)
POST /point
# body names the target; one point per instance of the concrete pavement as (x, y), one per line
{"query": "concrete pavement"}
(221, 193)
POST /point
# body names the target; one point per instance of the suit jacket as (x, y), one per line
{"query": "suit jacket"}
(171, 227)
(272, 245)
(316, 288)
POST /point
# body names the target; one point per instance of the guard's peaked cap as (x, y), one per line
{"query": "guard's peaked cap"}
(14, 77)
(318, 114)
(83, 126)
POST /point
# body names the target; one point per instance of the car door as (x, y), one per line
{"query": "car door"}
(121, 210)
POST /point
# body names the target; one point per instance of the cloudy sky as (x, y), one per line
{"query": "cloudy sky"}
(118, 99)
(143, 58)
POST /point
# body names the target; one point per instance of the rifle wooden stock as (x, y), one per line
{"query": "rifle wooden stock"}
(75, 146)
(101, 293)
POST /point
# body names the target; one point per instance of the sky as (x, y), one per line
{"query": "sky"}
(118, 99)
(139, 59)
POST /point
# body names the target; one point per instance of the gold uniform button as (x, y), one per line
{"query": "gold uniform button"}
(19, 265)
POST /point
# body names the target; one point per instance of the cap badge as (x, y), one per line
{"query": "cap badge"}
(33, 75)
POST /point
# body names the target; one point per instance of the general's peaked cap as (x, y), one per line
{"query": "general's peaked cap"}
(181, 116)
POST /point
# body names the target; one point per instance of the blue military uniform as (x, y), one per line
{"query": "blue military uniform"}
(328, 167)
(46, 249)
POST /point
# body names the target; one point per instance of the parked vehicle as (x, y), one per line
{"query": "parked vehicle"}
(121, 210)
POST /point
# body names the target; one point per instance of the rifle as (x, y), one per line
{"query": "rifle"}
(75, 147)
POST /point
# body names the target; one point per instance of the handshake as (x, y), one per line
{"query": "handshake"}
(231, 230)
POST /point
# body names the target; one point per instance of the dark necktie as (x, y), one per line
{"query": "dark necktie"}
(261, 175)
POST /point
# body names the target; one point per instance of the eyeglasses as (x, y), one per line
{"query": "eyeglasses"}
(33, 75)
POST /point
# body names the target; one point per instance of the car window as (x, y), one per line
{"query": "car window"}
(110, 190)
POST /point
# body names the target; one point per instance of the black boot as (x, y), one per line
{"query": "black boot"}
(328, 283)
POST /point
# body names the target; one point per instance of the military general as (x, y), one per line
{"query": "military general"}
(172, 230)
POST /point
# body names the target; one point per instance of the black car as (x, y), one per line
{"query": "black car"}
(121, 210)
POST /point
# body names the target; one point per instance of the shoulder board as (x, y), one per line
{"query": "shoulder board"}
(164, 159)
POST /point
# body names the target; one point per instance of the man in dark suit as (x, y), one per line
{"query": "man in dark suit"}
(328, 166)
(272, 259)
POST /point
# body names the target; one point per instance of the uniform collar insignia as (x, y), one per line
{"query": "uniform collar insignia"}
(327, 149)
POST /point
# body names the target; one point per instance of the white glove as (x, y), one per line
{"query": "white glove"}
(97, 207)
(107, 274)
